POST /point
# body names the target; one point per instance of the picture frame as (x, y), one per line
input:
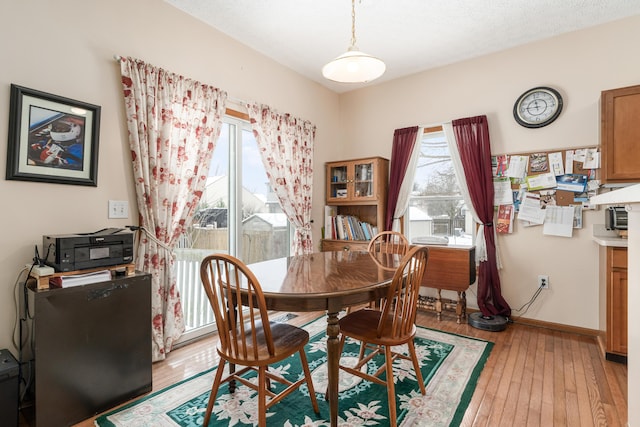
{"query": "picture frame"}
(52, 139)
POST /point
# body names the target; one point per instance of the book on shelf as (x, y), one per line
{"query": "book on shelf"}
(339, 227)
(365, 230)
(346, 227)
(329, 227)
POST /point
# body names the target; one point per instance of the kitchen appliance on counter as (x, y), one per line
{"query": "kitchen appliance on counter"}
(616, 218)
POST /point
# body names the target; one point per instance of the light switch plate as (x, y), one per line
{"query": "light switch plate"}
(118, 209)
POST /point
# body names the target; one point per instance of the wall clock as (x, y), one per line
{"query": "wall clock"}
(537, 107)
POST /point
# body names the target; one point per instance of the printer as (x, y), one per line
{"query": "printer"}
(103, 248)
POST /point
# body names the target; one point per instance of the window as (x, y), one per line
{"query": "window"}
(437, 212)
(238, 214)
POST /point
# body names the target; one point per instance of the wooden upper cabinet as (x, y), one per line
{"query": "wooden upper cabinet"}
(620, 138)
(358, 188)
(361, 181)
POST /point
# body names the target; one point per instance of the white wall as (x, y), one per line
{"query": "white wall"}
(580, 65)
(66, 48)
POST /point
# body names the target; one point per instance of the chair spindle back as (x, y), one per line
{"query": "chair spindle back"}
(401, 302)
(242, 320)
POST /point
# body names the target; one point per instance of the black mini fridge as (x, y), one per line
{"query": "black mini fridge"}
(92, 348)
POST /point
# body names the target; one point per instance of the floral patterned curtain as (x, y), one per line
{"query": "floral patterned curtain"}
(173, 123)
(286, 147)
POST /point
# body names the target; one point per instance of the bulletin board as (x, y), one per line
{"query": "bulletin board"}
(528, 183)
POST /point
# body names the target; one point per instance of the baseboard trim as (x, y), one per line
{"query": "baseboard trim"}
(555, 326)
(618, 358)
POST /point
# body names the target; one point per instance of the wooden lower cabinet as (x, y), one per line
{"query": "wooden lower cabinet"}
(327, 245)
(616, 314)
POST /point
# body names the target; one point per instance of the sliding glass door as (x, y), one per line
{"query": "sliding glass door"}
(238, 214)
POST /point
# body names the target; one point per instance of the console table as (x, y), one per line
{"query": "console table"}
(452, 268)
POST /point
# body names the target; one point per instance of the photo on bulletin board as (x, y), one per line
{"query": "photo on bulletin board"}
(538, 162)
(572, 182)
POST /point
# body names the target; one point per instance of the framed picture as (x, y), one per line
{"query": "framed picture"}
(52, 139)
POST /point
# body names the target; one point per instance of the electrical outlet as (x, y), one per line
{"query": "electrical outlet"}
(543, 281)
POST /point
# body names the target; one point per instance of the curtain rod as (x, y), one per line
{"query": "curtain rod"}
(238, 101)
(433, 125)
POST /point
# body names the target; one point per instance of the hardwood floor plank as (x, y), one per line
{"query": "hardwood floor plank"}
(534, 412)
(490, 392)
(524, 387)
(548, 398)
(571, 405)
(602, 387)
(567, 363)
(611, 382)
(582, 388)
(559, 383)
(508, 374)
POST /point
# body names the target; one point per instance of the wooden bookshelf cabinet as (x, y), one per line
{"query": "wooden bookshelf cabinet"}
(357, 187)
(620, 132)
(616, 311)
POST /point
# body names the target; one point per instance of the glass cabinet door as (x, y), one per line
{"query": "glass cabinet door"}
(339, 182)
(363, 183)
(352, 181)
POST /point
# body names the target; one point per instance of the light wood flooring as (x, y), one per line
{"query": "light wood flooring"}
(534, 376)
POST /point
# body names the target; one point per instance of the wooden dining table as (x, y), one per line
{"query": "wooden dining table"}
(326, 281)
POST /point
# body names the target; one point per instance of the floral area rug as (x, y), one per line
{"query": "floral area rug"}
(450, 365)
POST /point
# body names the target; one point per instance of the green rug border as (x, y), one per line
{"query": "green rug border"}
(456, 420)
(470, 388)
(104, 422)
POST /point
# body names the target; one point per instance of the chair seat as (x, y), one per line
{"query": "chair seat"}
(361, 325)
(287, 339)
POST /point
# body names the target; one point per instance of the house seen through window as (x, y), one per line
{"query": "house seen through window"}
(238, 214)
(437, 212)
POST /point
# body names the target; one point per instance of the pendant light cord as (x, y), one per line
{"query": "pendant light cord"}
(353, 23)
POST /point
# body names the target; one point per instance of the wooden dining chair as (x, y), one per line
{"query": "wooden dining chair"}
(394, 326)
(389, 242)
(246, 336)
(385, 244)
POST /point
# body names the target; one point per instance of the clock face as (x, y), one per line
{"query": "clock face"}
(537, 107)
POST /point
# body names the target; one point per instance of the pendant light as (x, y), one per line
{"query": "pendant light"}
(354, 66)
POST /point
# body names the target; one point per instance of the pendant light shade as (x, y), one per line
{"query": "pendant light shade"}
(354, 66)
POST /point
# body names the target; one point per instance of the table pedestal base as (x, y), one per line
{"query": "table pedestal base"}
(333, 363)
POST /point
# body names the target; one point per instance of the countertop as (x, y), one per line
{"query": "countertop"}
(630, 194)
(618, 242)
(605, 237)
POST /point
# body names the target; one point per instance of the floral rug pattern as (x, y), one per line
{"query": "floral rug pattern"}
(450, 366)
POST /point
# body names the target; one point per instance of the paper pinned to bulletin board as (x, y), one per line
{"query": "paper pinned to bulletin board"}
(561, 181)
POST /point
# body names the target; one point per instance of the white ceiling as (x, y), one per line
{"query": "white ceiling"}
(409, 35)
